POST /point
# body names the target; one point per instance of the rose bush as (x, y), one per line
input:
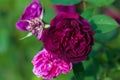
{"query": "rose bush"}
(69, 35)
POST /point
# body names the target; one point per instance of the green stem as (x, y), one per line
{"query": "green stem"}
(78, 71)
(84, 5)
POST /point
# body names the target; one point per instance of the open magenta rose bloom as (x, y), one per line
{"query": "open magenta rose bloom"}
(69, 35)
(49, 66)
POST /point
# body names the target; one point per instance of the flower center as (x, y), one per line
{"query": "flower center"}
(35, 27)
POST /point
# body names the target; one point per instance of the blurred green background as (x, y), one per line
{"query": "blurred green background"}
(16, 54)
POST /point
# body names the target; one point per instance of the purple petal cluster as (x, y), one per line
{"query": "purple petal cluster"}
(69, 35)
(33, 10)
(30, 20)
(49, 66)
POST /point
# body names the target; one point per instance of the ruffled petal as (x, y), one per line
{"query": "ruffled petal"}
(49, 66)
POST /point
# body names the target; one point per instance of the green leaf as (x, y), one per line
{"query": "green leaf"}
(88, 13)
(89, 78)
(28, 35)
(103, 23)
(110, 55)
(100, 2)
(107, 36)
(36, 78)
(65, 2)
(115, 74)
(78, 71)
(107, 78)
(91, 67)
(50, 14)
(67, 76)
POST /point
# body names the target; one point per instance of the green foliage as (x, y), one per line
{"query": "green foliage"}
(67, 76)
(91, 67)
(4, 41)
(35, 78)
(78, 70)
(101, 2)
(115, 73)
(65, 2)
(103, 23)
(89, 78)
(105, 37)
(87, 14)
(49, 15)
(49, 12)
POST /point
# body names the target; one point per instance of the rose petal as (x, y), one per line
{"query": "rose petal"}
(21, 25)
(62, 15)
(32, 10)
(64, 8)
